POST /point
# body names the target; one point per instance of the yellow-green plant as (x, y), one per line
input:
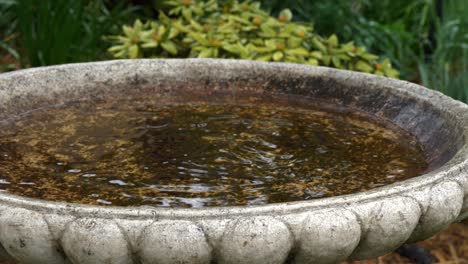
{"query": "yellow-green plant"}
(233, 29)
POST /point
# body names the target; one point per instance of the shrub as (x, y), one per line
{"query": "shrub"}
(426, 40)
(232, 29)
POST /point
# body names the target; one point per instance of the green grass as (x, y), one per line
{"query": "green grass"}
(56, 32)
(8, 34)
(446, 69)
(49, 29)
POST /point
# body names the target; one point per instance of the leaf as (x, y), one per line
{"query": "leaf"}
(197, 10)
(386, 64)
(177, 25)
(363, 66)
(198, 48)
(111, 49)
(369, 56)
(269, 43)
(294, 42)
(163, 17)
(326, 60)
(298, 51)
(215, 53)
(262, 49)
(128, 31)
(121, 54)
(171, 3)
(231, 48)
(147, 34)
(241, 20)
(206, 53)
(319, 44)
(333, 40)
(344, 57)
(10, 50)
(336, 62)
(244, 53)
(138, 25)
(196, 25)
(133, 51)
(170, 47)
(267, 29)
(313, 61)
(200, 38)
(150, 44)
(187, 14)
(264, 58)
(380, 73)
(316, 54)
(277, 56)
(7, 3)
(391, 73)
(173, 32)
(161, 30)
(292, 59)
(348, 47)
(285, 15)
(173, 12)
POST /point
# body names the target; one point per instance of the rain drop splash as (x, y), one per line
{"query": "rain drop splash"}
(136, 153)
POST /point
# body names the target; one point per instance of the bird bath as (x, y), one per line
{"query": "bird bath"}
(251, 104)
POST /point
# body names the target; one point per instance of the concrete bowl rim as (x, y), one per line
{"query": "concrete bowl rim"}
(455, 164)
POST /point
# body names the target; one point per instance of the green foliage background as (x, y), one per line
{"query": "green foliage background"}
(48, 32)
(232, 29)
(425, 40)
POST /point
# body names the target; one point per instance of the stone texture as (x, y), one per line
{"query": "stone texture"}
(255, 240)
(386, 224)
(326, 230)
(462, 179)
(174, 242)
(443, 208)
(25, 236)
(89, 240)
(328, 236)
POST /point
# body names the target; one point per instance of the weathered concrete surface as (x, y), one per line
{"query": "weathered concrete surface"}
(328, 230)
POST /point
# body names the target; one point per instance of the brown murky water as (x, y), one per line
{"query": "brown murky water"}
(199, 155)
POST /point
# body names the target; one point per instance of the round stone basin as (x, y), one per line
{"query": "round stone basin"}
(358, 225)
(152, 151)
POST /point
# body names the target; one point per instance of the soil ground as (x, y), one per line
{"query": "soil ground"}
(448, 247)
